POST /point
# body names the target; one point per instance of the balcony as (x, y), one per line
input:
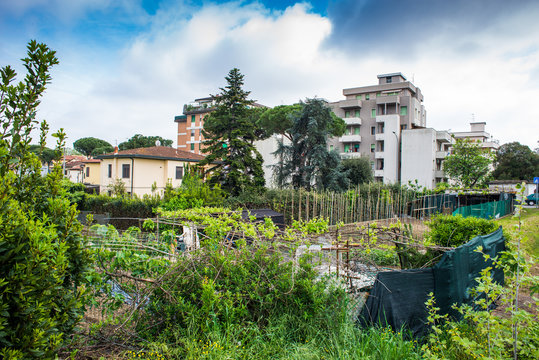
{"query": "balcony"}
(443, 136)
(350, 155)
(350, 104)
(350, 138)
(380, 137)
(442, 154)
(392, 99)
(379, 155)
(439, 174)
(352, 121)
(378, 173)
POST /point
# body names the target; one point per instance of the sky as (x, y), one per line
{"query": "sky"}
(128, 66)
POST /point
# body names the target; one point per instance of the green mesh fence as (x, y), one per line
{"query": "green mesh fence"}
(489, 210)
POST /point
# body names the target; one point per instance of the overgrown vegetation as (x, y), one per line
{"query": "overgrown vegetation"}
(43, 261)
(453, 231)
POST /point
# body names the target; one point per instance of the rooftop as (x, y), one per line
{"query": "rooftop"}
(154, 152)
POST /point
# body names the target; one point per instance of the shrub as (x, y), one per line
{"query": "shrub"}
(43, 262)
(453, 231)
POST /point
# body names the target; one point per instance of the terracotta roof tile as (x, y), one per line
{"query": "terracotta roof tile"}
(156, 152)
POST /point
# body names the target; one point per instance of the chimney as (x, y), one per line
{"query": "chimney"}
(115, 150)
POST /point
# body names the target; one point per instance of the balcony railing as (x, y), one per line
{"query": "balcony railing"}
(350, 104)
(379, 155)
(350, 155)
(350, 138)
(378, 173)
(352, 121)
(380, 137)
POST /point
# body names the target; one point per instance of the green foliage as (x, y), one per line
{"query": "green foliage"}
(75, 192)
(220, 288)
(359, 170)
(515, 161)
(193, 192)
(87, 145)
(453, 231)
(279, 120)
(102, 150)
(45, 155)
(239, 166)
(43, 262)
(141, 141)
(468, 164)
(306, 161)
(117, 188)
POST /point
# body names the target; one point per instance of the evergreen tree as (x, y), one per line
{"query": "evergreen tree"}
(306, 161)
(87, 145)
(141, 141)
(515, 161)
(230, 132)
(360, 170)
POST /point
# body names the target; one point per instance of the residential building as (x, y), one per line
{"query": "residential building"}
(478, 134)
(422, 155)
(191, 123)
(375, 116)
(91, 171)
(145, 170)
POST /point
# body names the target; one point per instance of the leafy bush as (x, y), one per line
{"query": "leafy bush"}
(453, 231)
(219, 289)
(43, 262)
(193, 193)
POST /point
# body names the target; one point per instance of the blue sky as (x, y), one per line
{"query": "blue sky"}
(128, 66)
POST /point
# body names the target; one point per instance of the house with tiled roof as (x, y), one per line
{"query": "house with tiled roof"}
(92, 171)
(145, 171)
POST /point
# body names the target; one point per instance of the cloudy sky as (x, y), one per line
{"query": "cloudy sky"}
(128, 66)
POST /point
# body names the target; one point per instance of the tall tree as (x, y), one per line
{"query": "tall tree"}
(515, 161)
(141, 141)
(468, 164)
(88, 144)
(360, 170)
(230, 132)
(306, 161)
(280, 119)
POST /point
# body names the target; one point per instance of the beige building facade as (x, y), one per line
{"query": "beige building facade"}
(145, 171)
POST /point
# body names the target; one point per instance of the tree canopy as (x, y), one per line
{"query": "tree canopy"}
(515, 161)
(230, 132)
(280, 119)
(469, 164)
(44, 154)
(359, 170)
(87, 145)
(141, 141)
(306, 161)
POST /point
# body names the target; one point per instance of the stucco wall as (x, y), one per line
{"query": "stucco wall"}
(418, 157)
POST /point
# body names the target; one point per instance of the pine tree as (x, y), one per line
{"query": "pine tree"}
(306, 161)
(230, 133)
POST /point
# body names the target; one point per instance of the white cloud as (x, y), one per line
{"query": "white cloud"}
(187, 53)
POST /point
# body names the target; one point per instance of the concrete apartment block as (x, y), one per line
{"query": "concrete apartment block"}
(190, 124)
(375, 116)
(478, 134)
(423, 152)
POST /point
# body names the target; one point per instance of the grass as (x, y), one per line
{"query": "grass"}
(530, 229)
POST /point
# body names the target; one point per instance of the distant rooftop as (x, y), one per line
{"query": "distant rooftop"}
(154, 152)
(391, 75)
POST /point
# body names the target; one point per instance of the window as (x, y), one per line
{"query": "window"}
(192, 146)
(179, 172)
(87, 171)
(346, 148)
(388, 80)
(373, 147)
(192, 132)
(110, 171)
(373, 112)
(381, 146)
(373, 130)
(378, 94)
(367, 96)
(347, 114)
(126, 170)
(358, 97)
(356, 147)
(372, 165)
(330, 147)
(193, 118)
(404, 110)
(357, 113)
(356, 130)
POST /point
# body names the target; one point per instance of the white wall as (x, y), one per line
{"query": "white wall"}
(266, 148)
(418, 157)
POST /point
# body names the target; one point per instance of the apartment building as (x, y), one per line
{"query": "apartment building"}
(375, 116)
(478, 134)
(190, 124)
(422, 155)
